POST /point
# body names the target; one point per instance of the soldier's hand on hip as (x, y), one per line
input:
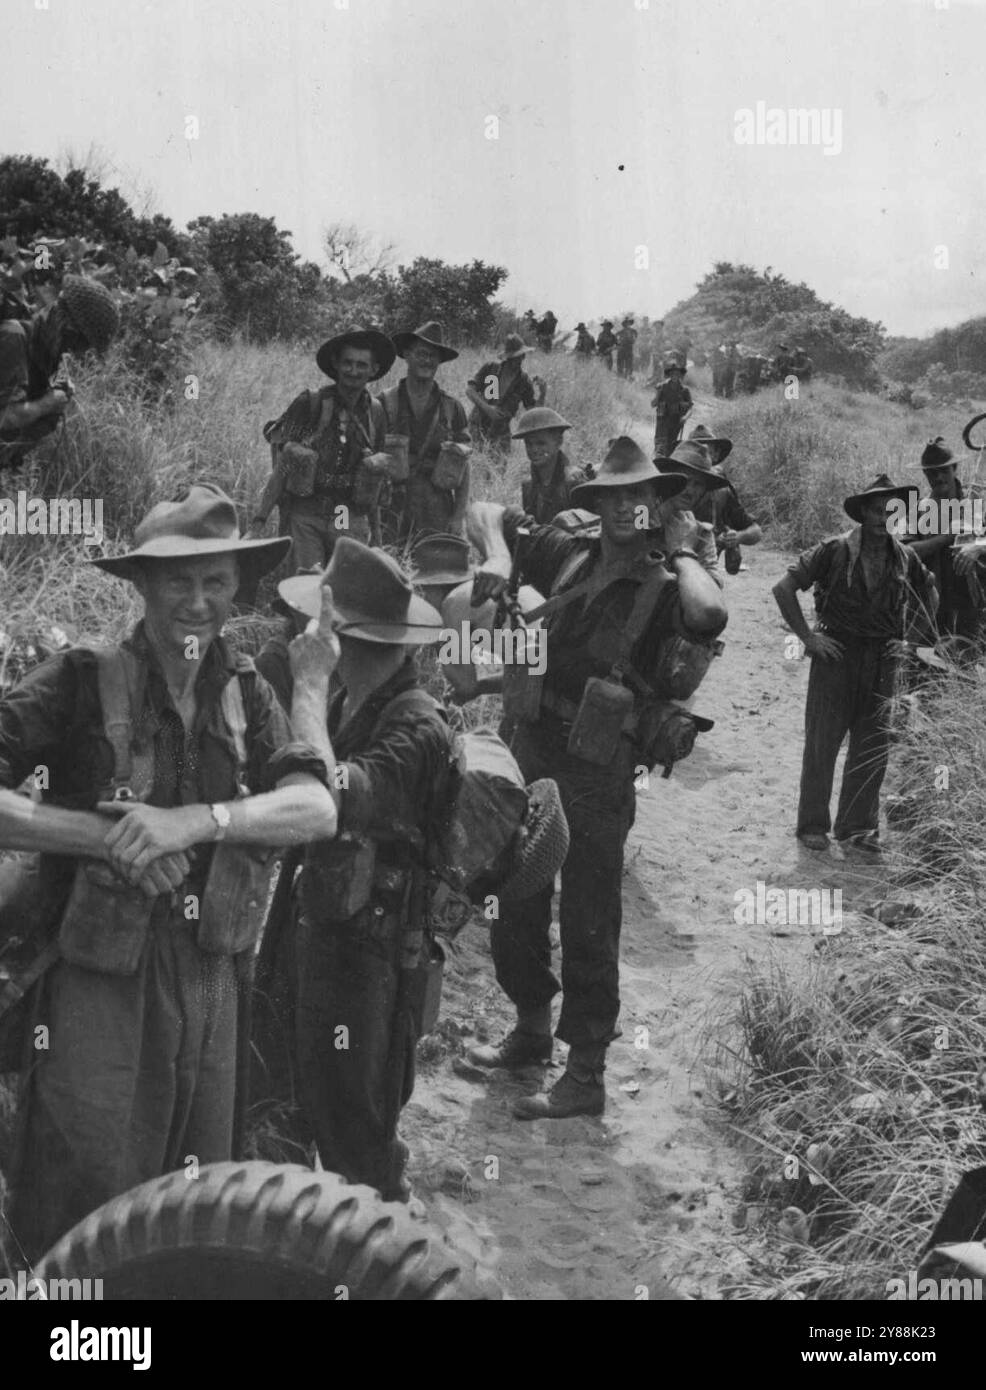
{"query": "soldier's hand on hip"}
(818, 644)
(143, 834)
(314, 654)
(491, 580)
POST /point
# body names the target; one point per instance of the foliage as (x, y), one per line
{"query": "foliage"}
(960, 349)
(736, 302)
(458, 295)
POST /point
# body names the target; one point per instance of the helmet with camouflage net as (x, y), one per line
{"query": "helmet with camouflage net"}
(91, 309)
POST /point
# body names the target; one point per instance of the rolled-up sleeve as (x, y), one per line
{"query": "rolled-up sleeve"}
(812, 565)
(34, 718)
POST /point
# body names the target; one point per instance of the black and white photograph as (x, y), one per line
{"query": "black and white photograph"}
(493, 663)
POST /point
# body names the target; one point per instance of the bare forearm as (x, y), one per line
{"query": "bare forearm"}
(787, 602)
(484, 526)
(702, 607)
(32, 825)
(297, 811)
(309, 710)
(753, 535)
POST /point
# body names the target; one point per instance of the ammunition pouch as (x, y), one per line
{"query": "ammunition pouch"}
(300, 466)
(234, 902)
(104, 925)
(600, 721)
(339, 878)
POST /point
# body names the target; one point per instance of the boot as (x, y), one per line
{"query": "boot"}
(518, 1049)
(579, 1091)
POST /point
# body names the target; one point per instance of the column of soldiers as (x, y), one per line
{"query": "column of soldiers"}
(175, 772)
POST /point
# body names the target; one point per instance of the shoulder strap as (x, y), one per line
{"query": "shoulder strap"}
(390, 401)
(234, 713)
(644, 607)
(561, 595)
(119, 678)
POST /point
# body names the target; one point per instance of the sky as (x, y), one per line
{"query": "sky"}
(589, 146)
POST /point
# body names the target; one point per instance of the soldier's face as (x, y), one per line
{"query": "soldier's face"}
(354, 367)
(941, 481)
(422, 361)
(690, 494)
(625, 512)
(187, 601)
(542, 446)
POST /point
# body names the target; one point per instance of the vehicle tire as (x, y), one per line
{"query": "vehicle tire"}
(261, 1231)
(967, 434)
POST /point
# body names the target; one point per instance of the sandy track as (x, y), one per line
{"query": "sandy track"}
(600, 1209)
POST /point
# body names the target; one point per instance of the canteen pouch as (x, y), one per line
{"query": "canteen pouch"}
(104, 925)
(450, 467)
(234, 902)
(682, 665)
(338, 878)
(598, 724)
(299, 465)
(397, 446)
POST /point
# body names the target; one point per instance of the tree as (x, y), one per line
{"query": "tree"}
(265, 290)
(356, 254)
(460, 296)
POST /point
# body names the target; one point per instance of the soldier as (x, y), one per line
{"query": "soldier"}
(615, 579)
(497, 391)
(625, 340)
(328, 451)
(701, 478)
(548, 489)
(721, 507)
(157, 896)
(783, 363)
(606, 343)
(545, 331)
(673, 402)
(435, 495)
(585, 343)
(959, 570)
(802, 366)
(362, 946)
(870, 593)
(83, 316)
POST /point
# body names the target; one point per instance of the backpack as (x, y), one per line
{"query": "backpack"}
(493, 835)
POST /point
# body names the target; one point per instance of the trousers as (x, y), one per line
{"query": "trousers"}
(852, 696)
(313, 527)
(599, 804)
(355, 1039)
(138, 1076)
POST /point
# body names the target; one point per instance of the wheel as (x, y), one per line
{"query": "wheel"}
(261, 1231)
(967, 433)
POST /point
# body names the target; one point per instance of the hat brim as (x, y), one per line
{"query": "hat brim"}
(724, 445)
(714, 479)
(378, 343)
(853, 506)
(422, 627)
(426, 580)
(517, 352)
(261, 555)
(540, 429)
(666, 485)
(402, 341)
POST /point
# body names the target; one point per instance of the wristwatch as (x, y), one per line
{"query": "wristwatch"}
(220, 814)
(682, 550)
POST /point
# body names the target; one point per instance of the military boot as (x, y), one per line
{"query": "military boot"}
(579, 1090)
(517, 1049)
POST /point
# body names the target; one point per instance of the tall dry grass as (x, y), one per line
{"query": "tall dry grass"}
(875, 1054)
